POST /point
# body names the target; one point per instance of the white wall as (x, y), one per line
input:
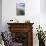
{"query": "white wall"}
(0, 15)
(33, 13)
(32, 10)
(43, 6)
(43, 14)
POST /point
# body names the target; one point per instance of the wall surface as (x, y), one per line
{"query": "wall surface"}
(43, 6)
(33, 12)
(0, 15)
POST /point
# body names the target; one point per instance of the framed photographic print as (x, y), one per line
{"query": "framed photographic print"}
(20, 9)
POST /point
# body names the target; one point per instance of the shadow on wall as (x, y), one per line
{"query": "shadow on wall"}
(0, 15)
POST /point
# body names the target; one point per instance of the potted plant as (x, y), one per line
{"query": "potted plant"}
(41, 36)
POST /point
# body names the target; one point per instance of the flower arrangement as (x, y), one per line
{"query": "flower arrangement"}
(40, 34)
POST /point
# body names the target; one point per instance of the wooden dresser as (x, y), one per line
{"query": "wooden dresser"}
(22, 33)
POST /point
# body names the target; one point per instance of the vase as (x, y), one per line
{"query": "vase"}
(41, 43)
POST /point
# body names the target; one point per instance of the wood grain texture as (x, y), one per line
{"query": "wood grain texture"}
(23, 27)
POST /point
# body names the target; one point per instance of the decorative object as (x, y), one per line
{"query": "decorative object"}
(13, 21)
(41, 36)
(27, 21)
(20, 9)
(1, 40)
(7, 38)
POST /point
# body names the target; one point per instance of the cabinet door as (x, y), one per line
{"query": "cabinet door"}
(24, 38)
(20, 37)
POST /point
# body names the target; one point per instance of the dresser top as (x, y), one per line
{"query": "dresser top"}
(19, 23)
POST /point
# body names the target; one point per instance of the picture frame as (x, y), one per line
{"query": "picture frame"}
(20, 9)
